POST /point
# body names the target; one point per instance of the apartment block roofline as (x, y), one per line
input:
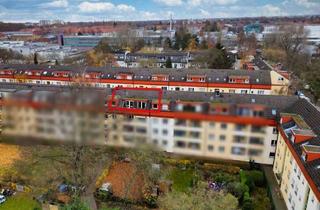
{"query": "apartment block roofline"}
(307, 116)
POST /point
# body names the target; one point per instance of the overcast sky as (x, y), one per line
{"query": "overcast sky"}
(93, 10)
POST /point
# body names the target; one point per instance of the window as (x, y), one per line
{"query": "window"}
(257, 129)
(223, 126)
(141, 130)
(258, 113)
(195, 123)
(164, 142)
(165, 132)
(127, 128)
(240, 127)
(238, 150)
(127, 139)
(179, 133)
(275, 131)
(212, 124)
(210, 148)
(222, 137)
(221, 149)
(211, 136)
(271, 154)
(180, 144)
(239, 139)
(165, 121)
(195, 146)
(273, 143)
(155, 131)
(155, 141)
(194, 134)
(256, 140)
(181, 122)
(254, 152)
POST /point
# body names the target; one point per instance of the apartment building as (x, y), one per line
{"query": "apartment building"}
(282, 131)
(43, 115)
(179, 60)
(226, 126)
(187, 80)
(297, 160)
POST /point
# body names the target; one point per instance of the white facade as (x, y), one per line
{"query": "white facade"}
(220, 140)
(294, 187)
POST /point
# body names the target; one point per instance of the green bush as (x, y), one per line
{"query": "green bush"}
(247, 202)
(237, 189)
(257, 177)
(223, 177)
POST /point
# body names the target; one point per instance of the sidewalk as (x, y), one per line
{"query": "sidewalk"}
(277, 199)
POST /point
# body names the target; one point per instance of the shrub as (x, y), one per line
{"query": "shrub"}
(237, 189)
(223, 177)
(257, 177)
(247, 202)
(223, 168)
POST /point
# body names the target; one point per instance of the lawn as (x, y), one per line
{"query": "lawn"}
(21, 202)
(182, 179)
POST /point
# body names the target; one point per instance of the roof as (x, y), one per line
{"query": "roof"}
(145, 74)
(270, 102)
(311, 115)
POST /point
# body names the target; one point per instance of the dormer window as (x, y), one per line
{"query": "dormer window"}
(310, 152)
(159, 77)
(124, 76)
(239, 79)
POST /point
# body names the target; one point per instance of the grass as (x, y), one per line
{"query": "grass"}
(182, 179)
(20, 202)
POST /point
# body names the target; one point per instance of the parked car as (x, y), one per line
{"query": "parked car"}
(7, 192)
(2, 199)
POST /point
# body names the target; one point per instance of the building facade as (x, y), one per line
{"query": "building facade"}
(297, 160)
(185, 80)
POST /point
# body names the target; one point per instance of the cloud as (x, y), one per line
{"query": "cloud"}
(146, 15)
(307, 3)
(126, 8)
(196, 3)
(170, 3)
(56, 4)
(204, 13)
(89, 7)
(270, 10)
(224, 2)
(96, 7)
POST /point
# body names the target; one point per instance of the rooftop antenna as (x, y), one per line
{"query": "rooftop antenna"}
(171, 22)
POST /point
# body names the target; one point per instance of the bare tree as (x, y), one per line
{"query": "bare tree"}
(289, 38)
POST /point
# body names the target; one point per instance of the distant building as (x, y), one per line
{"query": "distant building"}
(179, 60)
(87, 41)
(184, 80)
(253, 28)
(50, 22)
